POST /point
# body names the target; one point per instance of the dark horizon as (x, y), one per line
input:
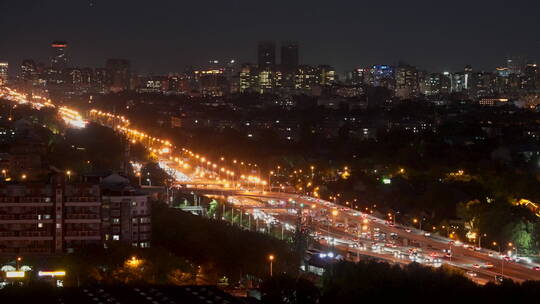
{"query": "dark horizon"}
(166, 36)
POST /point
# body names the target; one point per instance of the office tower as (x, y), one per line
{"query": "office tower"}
(326, 74)
(4, 73)
(248, 78)
(515, 64)
(59, 62)
(119, 74)
(482, 84)
(383, 76)
(266, 54)
(529, 79)
(289, 54)
(29, 72)
(289, 63)
(407, 85)
(359, 76)
(437, 84)
(458, 82)
(59, 59)
(306, 77)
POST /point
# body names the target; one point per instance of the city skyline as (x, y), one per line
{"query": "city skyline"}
(344, 39)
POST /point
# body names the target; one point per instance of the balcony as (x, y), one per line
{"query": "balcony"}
(8, 233)
(85, 216)
(82, 235)
(35, 233)
(82, 201)
(88, 218)
(34, 201)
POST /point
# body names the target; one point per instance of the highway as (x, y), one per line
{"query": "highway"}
(336, 227)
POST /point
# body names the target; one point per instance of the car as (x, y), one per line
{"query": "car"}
(488, 265)
(433, 254)
(408, 230)
(448, 255)
(476, 265)
(537, 268)
(499, 278)
(427, 234)
(471, 273)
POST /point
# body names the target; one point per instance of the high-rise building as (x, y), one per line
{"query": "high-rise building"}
(29, 72)
(119, 71)
(59, 62)
(383, 76)
(266, 54)
(59, 59)
(306, 77)
(359, 76)
(248, 78)
(4, 66)
(529, 79)
(212, 82)
(289, 63)
(515, 64)
(437, 84)
(126, 212)
(483, 84)
(289, 54)
(407, 85)
(327, 75)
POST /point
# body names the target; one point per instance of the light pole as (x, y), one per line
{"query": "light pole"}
(334, 215)
(271, 259)
(68, 172)
(139, 176)
(416, 221)
(480, 239)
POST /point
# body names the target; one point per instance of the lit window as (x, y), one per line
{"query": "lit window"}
(116, 237)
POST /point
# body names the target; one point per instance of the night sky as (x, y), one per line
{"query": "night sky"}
(164, 36)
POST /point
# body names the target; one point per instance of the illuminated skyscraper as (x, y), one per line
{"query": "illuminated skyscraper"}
(383, 76)
(29, 73)
(59, 62)
(59, 59)
(407, 85)
(4, 73)
(266, 54)
(529, 79)
(515, 64)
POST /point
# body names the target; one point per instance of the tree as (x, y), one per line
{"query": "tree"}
(285, 288)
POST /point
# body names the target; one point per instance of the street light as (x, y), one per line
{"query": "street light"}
(134, 262)
(271, 259)
(416, 221)
(139, 176)
(495, 244)
(68, 172)
(19, 259)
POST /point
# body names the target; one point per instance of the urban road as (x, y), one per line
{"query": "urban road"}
(351, 233)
